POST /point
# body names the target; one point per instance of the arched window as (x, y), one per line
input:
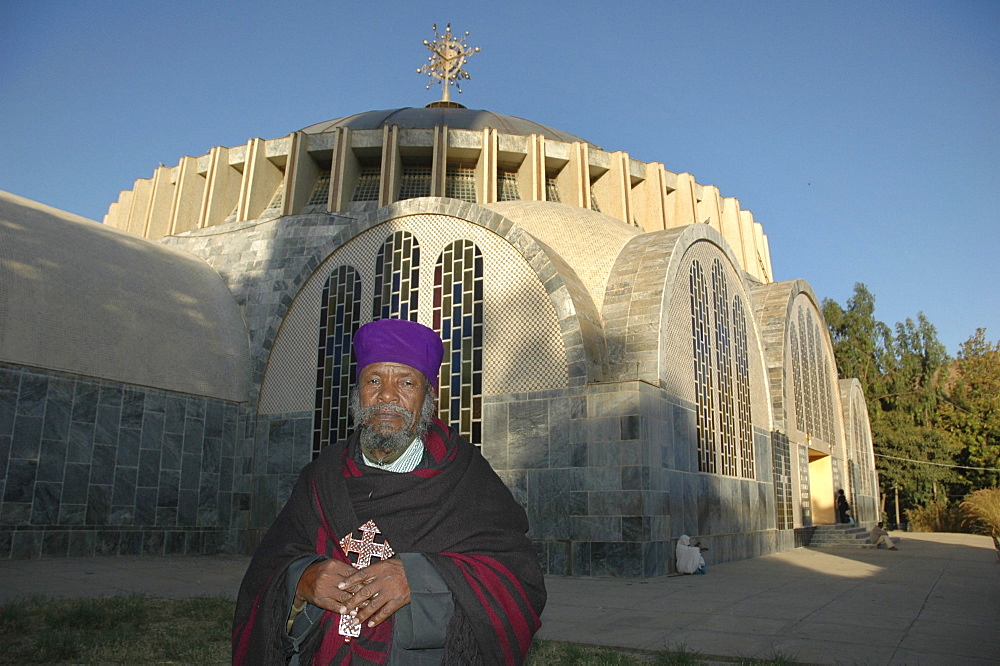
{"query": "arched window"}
(458, 319)
(721, 375)
(340, 316)
(742, 368)
(813, 401)
(397, 278)
(797, 378)
(724, 371)
(859, 460)
(702, 347)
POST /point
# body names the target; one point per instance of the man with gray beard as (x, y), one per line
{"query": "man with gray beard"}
(382, 444)
(400, 545)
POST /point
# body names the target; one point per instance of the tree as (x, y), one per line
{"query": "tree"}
(861, 343)
(900, 376)
(917, 460)
(971, 409)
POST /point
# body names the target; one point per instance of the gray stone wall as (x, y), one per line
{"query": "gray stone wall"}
(283, 444)
(608, 476)
(264, 264)
(90, 467)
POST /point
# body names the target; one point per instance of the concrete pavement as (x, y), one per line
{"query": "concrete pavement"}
(935, 601)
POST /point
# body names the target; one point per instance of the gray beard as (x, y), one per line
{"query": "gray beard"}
(393, 442)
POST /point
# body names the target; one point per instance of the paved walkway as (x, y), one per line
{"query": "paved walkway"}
(935, 601)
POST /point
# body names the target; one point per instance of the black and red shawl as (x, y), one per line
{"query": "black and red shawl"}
(457, 512)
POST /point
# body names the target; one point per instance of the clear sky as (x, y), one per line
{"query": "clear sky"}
(865, 137)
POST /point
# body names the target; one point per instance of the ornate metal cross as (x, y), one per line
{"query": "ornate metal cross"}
(365, 549)
(448, 55)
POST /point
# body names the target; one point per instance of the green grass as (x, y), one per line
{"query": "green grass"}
(123, 629)
(135, 629)
(555, 653)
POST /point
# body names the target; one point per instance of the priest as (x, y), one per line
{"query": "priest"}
(400, 545)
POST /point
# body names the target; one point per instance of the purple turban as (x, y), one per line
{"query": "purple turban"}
(399, 341)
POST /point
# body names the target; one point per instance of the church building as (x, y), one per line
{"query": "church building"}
(614, 342)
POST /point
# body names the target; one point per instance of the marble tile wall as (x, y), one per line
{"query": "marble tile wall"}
(608, 476)
(606, 473)
(96, 467)
(283, 447)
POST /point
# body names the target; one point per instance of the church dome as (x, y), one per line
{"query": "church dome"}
(453, 118)
(82, 298)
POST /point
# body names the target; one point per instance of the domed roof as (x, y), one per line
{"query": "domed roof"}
(80, 297)
(454, 118)
(571, 231)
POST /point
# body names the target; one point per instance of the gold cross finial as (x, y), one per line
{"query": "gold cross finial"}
(448, 55)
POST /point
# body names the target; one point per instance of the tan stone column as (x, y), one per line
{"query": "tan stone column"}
(185, 209)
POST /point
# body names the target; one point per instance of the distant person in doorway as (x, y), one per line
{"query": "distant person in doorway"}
(843, 507)
(879, 536)
(689, 557)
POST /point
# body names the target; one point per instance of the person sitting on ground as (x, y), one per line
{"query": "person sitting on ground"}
(689, 557)
(879, 536)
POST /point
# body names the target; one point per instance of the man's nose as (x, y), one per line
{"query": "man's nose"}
(388, 394)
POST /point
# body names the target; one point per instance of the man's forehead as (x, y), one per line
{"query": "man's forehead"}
(386, 367)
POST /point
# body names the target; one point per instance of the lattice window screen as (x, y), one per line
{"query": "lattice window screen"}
(703, 375)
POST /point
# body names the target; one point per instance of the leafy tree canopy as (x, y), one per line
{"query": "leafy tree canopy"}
(929, 414)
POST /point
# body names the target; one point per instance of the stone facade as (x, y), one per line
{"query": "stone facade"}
(631, 372)
(103, 468)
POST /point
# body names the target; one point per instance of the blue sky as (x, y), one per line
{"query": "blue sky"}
(863, 136)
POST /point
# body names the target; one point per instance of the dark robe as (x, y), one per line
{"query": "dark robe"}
(843, 509)
(456, 511)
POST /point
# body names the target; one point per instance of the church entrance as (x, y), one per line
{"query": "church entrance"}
(821, 488)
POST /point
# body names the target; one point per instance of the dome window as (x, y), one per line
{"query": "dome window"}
(368, 182)
(415, 182)
(321, 191)
(507, 186)
(460, 183)
(594, 206)
(551, 190)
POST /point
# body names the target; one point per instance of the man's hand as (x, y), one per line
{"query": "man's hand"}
(378, 590)
(320, 584)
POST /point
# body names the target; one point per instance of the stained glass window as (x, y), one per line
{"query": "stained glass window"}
(795, 349)
(397, 277)
(458, 318)
(340, 316)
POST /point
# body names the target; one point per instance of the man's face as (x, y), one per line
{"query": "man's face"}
(384, 388)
